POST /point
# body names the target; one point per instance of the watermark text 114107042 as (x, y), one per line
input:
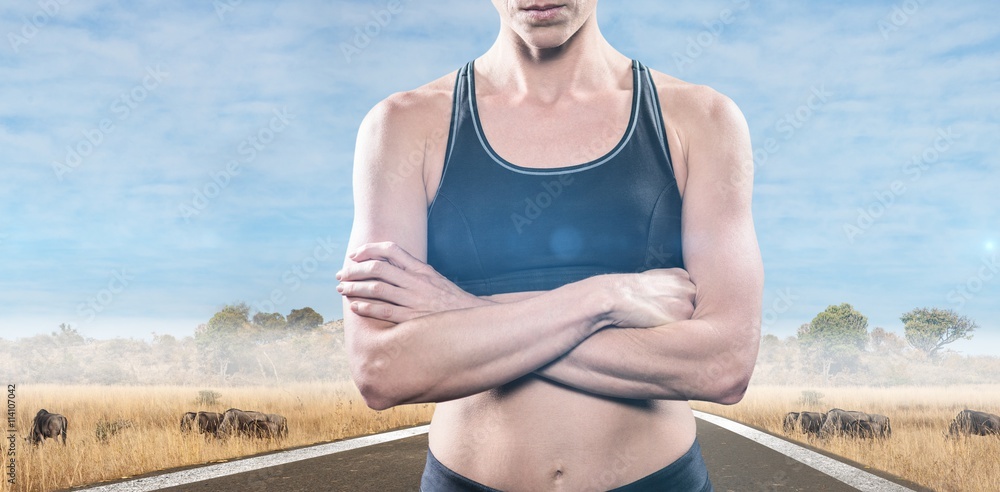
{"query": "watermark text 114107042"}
(10, 464)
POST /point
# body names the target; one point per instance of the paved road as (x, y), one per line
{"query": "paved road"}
(387, 467)
(735, 463)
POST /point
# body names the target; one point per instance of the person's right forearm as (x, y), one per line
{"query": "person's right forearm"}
(453, 354)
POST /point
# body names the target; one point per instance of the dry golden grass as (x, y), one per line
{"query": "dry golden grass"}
(316, 413)
(917, 451)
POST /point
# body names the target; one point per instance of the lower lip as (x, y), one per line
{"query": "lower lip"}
(543, 15)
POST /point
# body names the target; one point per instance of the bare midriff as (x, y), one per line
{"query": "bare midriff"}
(532, 433)
(535, 434)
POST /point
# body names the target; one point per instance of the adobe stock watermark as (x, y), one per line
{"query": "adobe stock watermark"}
(297, 272)
(719, 367)
(121, 107)
(698, 44)
(248, 148)
(898, 17)
(613, 473)
(657, 256)
(535, 205)
(786, 126)
(31, 26)
(551, 189)
(94, 305)
(224, 7)
(988, 269)
(784, 300)
(415, 158)
(365, 33)
(885, 198)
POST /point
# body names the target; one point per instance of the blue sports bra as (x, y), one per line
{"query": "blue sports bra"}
(495, 227)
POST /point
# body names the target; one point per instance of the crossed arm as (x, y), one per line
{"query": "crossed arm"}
(413, 336)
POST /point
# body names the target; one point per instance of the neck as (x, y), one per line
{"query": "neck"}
(584, 63)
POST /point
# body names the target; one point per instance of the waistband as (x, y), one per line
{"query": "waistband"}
(440, 478)
(686, 474)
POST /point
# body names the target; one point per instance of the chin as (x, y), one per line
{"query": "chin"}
(545, 38)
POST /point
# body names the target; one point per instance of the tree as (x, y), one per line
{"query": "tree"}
(304, 319)
(231, 319)
(220, 344)
(835, 338)
(931, 329)
(883, 341)
(269, 321)
(67, 335)
(770, 340)
(803, 331)
(837, 325)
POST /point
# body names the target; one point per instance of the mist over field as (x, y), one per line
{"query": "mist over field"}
(789, 362)
(66, 357)
(251, 355)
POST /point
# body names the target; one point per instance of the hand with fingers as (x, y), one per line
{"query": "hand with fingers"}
(384, 281)
(651, 298)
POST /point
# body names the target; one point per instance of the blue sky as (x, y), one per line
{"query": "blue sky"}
(159, 160)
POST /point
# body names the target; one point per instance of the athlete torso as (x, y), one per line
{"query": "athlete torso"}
(496, 226)
(533, 434)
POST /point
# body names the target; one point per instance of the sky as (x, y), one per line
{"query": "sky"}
(159, 160)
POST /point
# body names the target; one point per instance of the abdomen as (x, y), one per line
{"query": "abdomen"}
(535, 434)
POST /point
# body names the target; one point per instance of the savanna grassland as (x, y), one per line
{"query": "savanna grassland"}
(320, 412)
(150, 384)
(918, 449)
(152, 440)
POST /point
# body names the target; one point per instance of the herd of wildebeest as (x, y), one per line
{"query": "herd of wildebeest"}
(251, 424)
(232, 422)
(246, 423)
(852, 423)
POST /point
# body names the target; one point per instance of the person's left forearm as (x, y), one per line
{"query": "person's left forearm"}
(683, 360)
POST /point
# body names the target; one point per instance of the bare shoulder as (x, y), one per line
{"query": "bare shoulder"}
(393, 145)
(706, 133)
(414, 113)
(695, 107)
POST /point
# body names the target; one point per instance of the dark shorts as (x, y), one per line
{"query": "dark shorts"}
(686, 474)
